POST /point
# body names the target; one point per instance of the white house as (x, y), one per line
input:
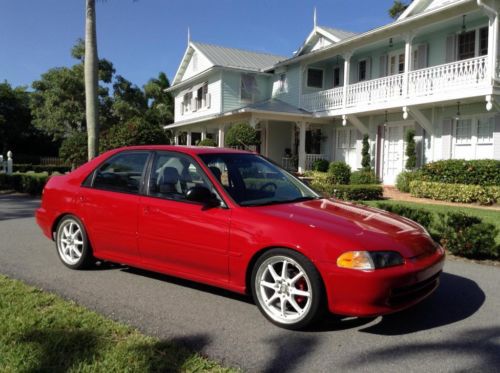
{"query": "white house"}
(435, 69)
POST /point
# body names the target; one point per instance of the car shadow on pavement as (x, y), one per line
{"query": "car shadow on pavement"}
(16, 206)
(456, 299)
(479, 347)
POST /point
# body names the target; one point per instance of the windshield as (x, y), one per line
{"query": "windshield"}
(253, 181)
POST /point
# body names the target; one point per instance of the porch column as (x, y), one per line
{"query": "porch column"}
(347, 72)
(408, 62)
(188, 138)
(174, 134)
(493, 49)
(203, 133)
(221, 135)
(302, 146)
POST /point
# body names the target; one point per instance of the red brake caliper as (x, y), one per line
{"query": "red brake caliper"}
(301, 285)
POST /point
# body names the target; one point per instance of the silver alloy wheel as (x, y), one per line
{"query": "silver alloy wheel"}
(70, 241)
(277, 292)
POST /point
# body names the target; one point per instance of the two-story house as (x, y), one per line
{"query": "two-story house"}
(435, 69)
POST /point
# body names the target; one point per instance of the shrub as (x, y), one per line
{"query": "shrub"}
(73, 149)
(411, 150)
(365, 154)
(207, 142)
(347, 192)
(405, 178)
(41, 168)
(320, 165)
(339, 173)
(31, 183)
(364, 177)
(467, 236)
(421, 216)
(459, 171)
(241, 135)
(452, 192)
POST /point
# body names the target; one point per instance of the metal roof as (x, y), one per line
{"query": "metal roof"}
(341, 34)
(276, 106)
(239, 58)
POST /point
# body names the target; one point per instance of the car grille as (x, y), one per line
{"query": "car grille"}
(412, 292)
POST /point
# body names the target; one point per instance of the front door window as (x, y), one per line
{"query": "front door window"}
(394, 152)
(396, 63)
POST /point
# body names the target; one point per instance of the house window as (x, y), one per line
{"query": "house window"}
(485, 131)
(483, 41)
(282, 88)
(201, 96)
(315, 78)
(336, 76)
(466, 45)
(313, 141)
(362, 70)
(186, 101)
(463, 132)
(248, 87)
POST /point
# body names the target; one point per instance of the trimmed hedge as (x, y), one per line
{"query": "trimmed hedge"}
(339, 173)
(421, 216)
(25, 167)
(454, 192)
(207, 142)
(24, 182)
(348, 192)
(458, 171)
(467, 236)
(364, 177)
(405, 178)
(320, 165)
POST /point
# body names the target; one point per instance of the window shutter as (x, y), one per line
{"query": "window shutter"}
(356, 73)
(446, 138)
(368, 68)
(451, 48)
(382, 66)
(209, 99)
(194, 103)
(422, 56)
(496, 137)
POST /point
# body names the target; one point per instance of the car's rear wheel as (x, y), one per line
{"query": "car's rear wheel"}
(72, 243)
(287, 288)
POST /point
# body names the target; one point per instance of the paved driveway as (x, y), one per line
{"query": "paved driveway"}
(457, 329)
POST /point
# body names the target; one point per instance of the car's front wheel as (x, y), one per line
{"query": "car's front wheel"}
(287, 288)
(72, 243)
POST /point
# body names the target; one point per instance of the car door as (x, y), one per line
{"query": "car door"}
(109, 205)
(179, 236)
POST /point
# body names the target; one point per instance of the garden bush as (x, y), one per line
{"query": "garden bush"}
(364, 177)
(459, 171)
(347, 192)
(467, 236)
(241, 135)
(320, 165)
(207, 142)
(31, 183)
(339, 173)
(421, 216)
(40, 168)
(453, 192)
(405, 178)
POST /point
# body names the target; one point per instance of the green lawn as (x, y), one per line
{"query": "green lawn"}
(40, 332)
(488, 216)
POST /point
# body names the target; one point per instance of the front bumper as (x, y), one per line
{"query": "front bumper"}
(382, 291)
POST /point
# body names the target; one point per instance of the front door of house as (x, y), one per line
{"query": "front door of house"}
(394, 152)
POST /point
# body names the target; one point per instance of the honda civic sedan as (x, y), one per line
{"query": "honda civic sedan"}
(234, 220)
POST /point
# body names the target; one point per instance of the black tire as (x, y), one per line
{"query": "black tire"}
(307, 309)
(72, 244)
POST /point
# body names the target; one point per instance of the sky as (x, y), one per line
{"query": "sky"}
(143, 37)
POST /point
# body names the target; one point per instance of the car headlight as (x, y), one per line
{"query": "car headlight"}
(369, 260)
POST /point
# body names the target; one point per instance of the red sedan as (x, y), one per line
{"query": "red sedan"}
(234, 220)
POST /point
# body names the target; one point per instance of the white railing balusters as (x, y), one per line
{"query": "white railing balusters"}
(310, 158)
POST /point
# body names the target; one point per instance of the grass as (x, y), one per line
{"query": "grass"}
(41, 332)
(488, 216)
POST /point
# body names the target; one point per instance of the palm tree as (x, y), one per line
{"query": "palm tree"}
(91, 80)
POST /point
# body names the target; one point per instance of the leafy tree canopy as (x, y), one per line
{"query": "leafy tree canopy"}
(241, 135)
(397, 8)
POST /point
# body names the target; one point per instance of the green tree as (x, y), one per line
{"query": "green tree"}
(128, 100)
(241, 135)
(397, 8)
(74, 148)
(15, 117)
(365, 154)
(411, 150)
(161, 103)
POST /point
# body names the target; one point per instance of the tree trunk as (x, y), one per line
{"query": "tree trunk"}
(91, 80)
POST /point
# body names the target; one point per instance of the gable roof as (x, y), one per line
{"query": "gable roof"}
(421, 6)
(227, 57)
(333, 35)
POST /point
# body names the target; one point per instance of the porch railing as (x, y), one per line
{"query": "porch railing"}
(432, 81)
(310, 158)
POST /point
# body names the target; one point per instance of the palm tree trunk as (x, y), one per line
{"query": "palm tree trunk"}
(91, 80)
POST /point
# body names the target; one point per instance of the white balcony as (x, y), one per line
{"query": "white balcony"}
(452, 80)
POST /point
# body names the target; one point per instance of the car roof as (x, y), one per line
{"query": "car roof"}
(186, 149)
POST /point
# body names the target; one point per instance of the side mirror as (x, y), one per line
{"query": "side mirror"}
(202, 195)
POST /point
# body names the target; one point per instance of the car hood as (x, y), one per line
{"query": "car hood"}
(369, 228)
